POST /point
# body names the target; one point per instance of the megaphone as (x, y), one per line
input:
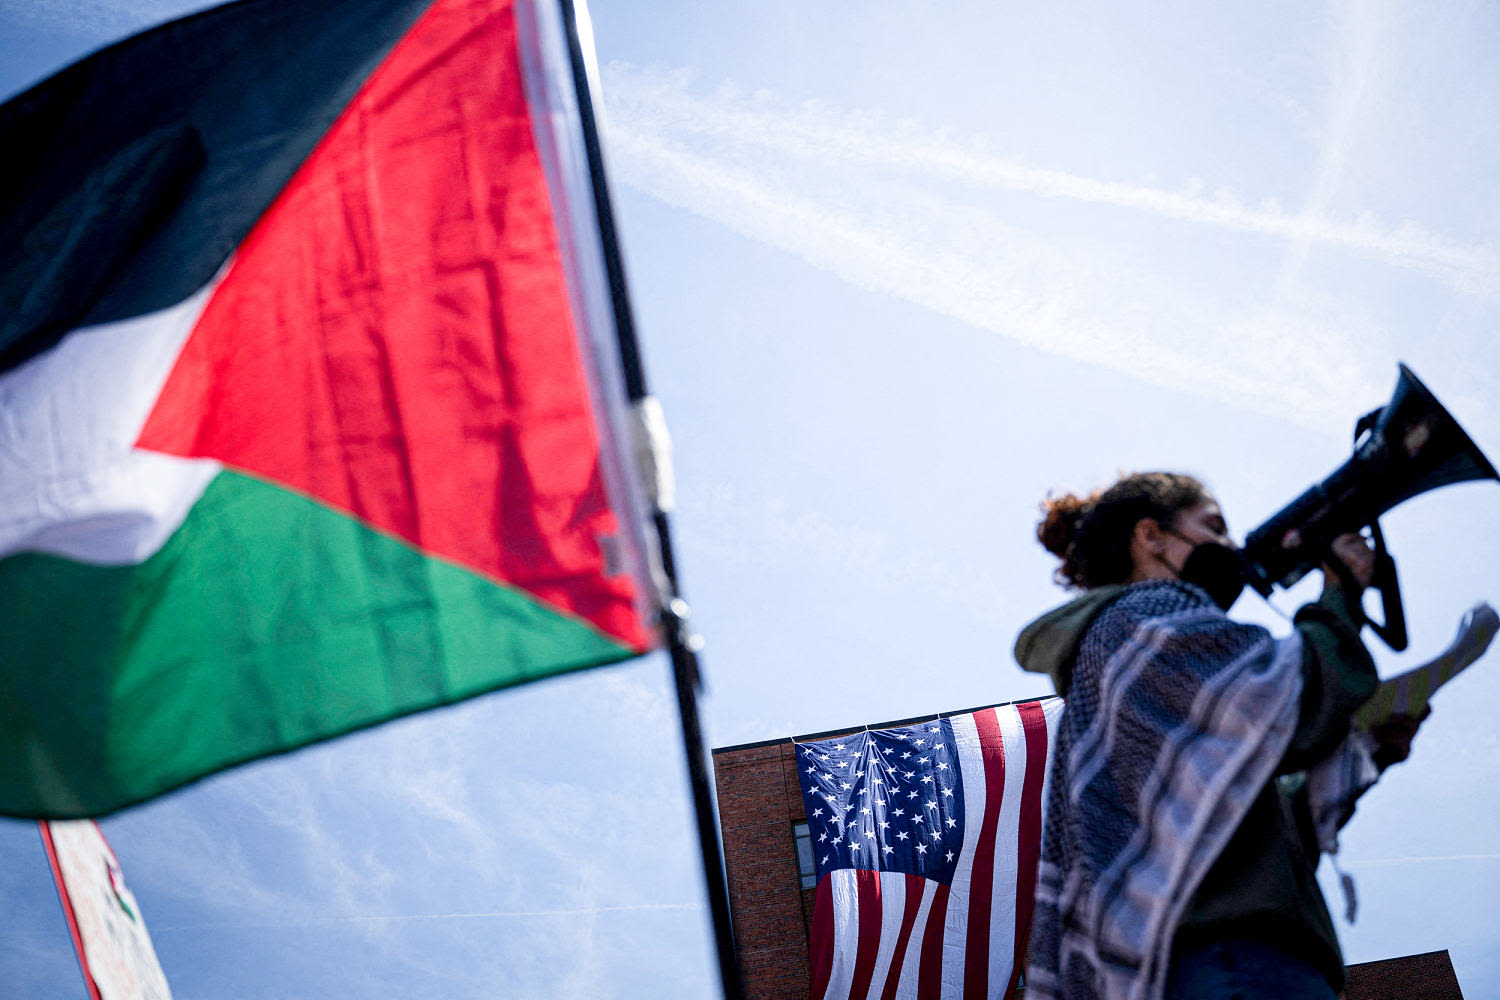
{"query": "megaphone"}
(1407, 447)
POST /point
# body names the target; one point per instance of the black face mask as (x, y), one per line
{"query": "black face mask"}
(1216, 568)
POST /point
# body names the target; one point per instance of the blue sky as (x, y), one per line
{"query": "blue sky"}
(900, 269)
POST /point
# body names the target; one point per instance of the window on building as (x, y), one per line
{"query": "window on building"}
(805, 866)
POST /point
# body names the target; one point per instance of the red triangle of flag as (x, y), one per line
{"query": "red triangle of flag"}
(394, 337)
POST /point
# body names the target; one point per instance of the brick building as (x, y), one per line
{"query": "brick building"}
(760, 804)
(769, 861)
(769, 864)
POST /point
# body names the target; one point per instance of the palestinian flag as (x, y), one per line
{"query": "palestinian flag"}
(310, 398)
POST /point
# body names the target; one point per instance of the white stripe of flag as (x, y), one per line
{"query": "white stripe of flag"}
(956, 933)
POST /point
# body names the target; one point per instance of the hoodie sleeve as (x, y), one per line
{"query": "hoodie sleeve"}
(1338, 676)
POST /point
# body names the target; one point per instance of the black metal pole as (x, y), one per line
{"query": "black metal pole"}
(630, 352)
(680, 642)
(676, 631)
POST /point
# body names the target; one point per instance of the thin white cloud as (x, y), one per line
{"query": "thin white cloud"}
(779, 531)
(199, 855)
(372, 838)
(659, 103)
(932, 220)
(1359, 51)
(963, 261)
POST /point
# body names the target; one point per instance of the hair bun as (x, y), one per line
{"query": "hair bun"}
(1061, 516)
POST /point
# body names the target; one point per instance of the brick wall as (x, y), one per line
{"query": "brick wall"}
(759, 800)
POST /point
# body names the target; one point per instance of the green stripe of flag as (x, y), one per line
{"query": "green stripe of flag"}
(266, 622)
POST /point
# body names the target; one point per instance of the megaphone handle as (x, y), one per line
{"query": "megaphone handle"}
(1383, 578)
(1367, 423)
(1393, 630)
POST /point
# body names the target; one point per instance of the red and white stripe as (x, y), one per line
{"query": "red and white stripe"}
(892, 936)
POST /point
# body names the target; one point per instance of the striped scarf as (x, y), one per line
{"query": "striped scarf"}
(1176, 719)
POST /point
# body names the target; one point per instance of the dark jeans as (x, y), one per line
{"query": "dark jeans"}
(1242, 969)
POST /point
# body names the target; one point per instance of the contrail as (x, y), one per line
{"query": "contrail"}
(1421, 860)
(642, 104)
(411, 917)
(1020, 287)
(913, 215)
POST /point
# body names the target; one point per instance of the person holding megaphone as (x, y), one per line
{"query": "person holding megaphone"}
(1179, 852)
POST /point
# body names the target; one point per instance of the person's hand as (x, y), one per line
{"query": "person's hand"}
(1357, 555)
(1393, 738)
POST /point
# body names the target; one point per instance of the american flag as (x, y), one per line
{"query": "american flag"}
(925, 840)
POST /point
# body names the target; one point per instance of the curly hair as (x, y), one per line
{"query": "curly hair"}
(1091, 534)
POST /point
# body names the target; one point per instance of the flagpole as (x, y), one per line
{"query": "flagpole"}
(682, 643)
